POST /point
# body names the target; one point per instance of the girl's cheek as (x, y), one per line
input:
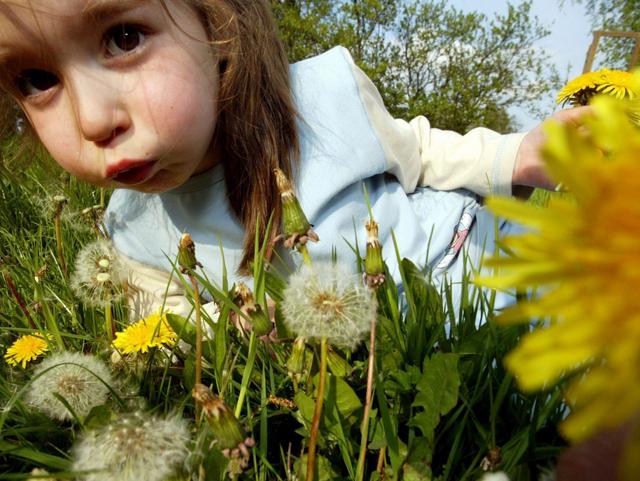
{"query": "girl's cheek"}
(61, 140)
(178, 108)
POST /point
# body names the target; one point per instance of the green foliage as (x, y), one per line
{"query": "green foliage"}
(461, 70)
(437, 392)
(442, 399)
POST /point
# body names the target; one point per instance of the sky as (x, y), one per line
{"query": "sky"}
(571, 35)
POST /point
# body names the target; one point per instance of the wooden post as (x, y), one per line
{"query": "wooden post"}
(635, 54)
(591, 53)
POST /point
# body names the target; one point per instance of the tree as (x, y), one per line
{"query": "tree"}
(623, 15)
(459, 69)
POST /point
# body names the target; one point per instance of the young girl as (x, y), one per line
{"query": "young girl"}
(186, 108)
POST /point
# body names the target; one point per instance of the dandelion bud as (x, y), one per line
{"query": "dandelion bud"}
(59, 202)
(373, 263)
(224, 425)
(226, 430)
(295, 226)
(259, 320)
(93, 213)
(187, 253)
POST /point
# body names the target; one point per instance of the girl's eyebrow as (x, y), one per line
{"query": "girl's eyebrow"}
(101, 9)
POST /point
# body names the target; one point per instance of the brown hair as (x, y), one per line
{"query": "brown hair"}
(255, 129)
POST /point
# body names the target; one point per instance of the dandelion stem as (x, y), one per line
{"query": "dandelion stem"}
(317, 413)
(102, 195)
(48, 316)
(109, 326)
(248, 369)
(381, 460)
(58, 231)
(19, 299)
(196, 301)
(305, 254)
(364, 428)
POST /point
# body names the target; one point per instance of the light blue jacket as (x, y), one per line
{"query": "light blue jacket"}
(344, 143)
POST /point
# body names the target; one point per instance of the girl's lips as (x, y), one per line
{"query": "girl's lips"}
(131, 172)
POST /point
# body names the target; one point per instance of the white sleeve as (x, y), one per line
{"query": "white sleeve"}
(417, 155)
(151, 289)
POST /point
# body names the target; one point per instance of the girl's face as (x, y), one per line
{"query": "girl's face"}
(119, 93)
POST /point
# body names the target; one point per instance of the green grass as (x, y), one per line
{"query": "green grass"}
(442, 398)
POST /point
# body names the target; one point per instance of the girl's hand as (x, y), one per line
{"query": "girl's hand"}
(529, 170)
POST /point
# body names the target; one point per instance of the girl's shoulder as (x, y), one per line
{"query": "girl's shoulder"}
(335, 127)
(334, 57)
(330, 72)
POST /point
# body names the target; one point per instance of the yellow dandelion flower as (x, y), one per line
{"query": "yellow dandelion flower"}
(615, 83)
(152, 331)
(26, 349)
(583, 250)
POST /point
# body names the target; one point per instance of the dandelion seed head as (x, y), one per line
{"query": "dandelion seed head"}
(136, 447)
(76, 377)
(326, 300)
(99, 274)
(103, 277)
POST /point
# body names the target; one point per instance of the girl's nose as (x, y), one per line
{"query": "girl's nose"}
(100, 108)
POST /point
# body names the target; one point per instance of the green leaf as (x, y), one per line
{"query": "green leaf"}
(8, 449)
(305, 405)
(337, 364)
(437, 392)
(323, 469)
(339, 395)
(402, 381)
(214, 465)
(425, 318)
(189, 376)
(98, 417)
(340, 402)
(209, 351)
(275, 285)
(183, 328)
(417, 466)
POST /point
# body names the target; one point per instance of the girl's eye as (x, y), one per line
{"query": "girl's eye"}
(122, 39)
(34, 81)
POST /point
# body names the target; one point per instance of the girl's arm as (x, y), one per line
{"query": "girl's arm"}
(482, 160)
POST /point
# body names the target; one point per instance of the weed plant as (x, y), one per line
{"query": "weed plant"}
(443, 407)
